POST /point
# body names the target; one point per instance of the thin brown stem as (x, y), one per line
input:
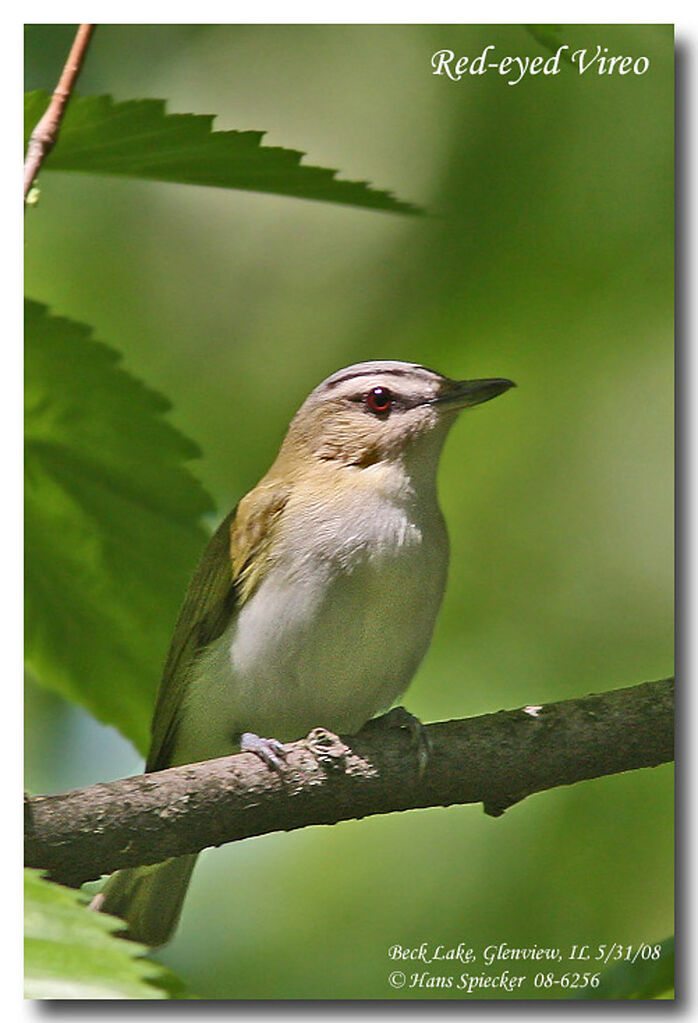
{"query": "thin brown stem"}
(44, 136)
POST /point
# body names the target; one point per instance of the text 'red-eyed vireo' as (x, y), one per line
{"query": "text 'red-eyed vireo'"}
(316, 598)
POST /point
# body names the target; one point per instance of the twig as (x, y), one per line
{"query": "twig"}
(45, 133)
(497, 759)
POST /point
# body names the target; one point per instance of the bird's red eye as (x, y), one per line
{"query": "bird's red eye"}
(379, 400)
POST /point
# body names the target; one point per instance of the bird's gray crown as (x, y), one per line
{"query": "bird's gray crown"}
(409, 376)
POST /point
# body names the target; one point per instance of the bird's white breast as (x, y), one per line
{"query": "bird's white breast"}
(335, 630)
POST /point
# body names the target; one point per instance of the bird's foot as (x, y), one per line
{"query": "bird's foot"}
(327, 748)
(270, 751)
(400, 717)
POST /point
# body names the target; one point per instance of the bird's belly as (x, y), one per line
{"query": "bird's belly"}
(325, 648)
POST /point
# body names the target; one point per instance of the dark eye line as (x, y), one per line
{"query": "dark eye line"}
(396, 402)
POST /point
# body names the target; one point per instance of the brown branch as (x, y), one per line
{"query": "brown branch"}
(44, 136)
(497, 759)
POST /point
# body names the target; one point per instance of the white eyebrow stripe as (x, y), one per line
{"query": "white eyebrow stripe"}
(376, 371)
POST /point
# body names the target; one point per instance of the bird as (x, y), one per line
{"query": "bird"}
(316, 598)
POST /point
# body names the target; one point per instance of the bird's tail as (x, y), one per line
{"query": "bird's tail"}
(149, 898)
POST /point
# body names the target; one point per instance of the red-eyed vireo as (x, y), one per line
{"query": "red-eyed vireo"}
(316, 598)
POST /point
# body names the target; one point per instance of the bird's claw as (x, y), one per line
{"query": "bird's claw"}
(400, 717)
(327, 748)
(270, 751)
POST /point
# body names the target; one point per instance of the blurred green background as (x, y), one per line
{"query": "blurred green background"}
(547, 257)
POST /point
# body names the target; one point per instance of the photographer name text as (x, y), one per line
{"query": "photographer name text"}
(575, 968)
(515, 69)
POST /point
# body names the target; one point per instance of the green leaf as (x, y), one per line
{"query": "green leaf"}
(112, 524)
(643, 979)
(72, 952)
(138, 139)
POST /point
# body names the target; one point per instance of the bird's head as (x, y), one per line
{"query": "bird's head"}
(376, 412)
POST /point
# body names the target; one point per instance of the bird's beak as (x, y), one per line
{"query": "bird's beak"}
(460, 394)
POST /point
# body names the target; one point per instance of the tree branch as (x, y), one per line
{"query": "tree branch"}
(497, 759)
(44, 136)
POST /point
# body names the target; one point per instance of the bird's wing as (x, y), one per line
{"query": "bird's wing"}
(230, 568)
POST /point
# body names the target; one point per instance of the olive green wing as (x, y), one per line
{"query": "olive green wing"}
(230, 568)
(208, 607)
